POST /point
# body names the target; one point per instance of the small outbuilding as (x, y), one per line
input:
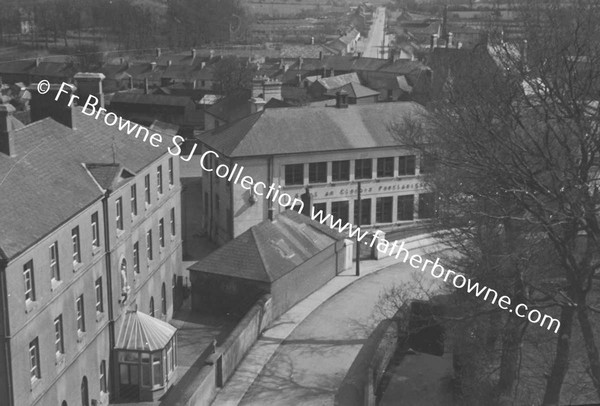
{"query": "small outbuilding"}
(288, 257)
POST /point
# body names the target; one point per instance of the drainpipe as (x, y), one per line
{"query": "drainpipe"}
(6, 329)
(270, 180)
(109, 291)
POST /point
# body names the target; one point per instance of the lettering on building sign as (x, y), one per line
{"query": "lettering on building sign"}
(369, 189)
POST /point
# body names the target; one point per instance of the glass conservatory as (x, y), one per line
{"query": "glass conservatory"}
(146, 357)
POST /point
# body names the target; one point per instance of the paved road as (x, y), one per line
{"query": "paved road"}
(308, 367)
(372, 44)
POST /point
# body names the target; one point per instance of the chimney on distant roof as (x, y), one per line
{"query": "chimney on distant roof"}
(312, 40)
(272, 90)
(90, 84)
(146, 86)
(202, 65)
(434, 41)
(449, 41)
(130, 82)
(7, 127)
(212, 54)
(169, 62)
(45, 105)
(332, 72)
(152, 66)
(320, 55)
(158, 52)
(257, 104)
(193, 53)
(524, 53)
(391, 54)
(341, 99)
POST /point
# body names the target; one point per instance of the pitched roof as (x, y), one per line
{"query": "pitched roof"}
(141, 332)
(354, 90)
(232, 107)
(46, 183)
(108, 176)
(309, 129)
(335, 82)
(270, 249)
(153, 99)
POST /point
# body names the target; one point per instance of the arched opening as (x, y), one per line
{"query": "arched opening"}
(152, 306)
(85, 401)
(163, 299)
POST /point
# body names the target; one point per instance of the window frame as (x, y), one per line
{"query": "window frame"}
(161, 232)
(359, 173)
(29, 281)
(102, 377)
(317, 172)
(291, 177)
(341, 206)
(133, 199)
(382, 203)
(172, 221)
(149, 252)
(383, 167)
(136, 257)
(159, 180)
(147, 190)
(95, 230)
(80, 314)
(406, 165)
(35, 369)
(401, 201)
(99, 291)
(171, 173)
(119, 213)
(54, 262)
(59, 338)
(338, 171)
(76, 243)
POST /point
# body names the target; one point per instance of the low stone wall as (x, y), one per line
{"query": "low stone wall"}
(222, 364)
(365, 373)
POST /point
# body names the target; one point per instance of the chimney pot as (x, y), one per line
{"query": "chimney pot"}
(434, 41)
(341, 99)
(449, 42)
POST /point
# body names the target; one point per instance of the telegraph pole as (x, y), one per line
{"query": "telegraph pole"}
(358, 225)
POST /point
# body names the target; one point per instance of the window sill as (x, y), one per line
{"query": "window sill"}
(55, 284)
(35, 382)
(31, 306)
(76, 266)
(99, 316)
(81, 336)
(120, 233)
(95, 250)
(60, 360)
(159, 196)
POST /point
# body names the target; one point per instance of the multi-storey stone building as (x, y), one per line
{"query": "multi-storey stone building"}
(89, 247)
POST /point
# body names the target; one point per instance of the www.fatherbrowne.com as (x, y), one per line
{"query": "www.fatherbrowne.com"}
(437, 271)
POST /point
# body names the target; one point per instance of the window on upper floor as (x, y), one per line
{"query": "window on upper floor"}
(406, 165)
(147, 188)
(59, 342)
(119, 213)
(385, 167)
(317, 172)
(171, 172)
(76, 245)
(80, 312)
(340, 171)
(149, 245)
(172, 220)
(28, 278)
(159, 180)
(133, 200)
(363, 169)
(99, 296)
(294, 174)
(136, 257)
(34, 360)
(54, 263)
(95, 231)
(161, 232)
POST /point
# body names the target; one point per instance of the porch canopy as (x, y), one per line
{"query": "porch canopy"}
(142, 332)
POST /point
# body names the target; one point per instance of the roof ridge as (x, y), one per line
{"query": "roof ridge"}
(260, 253)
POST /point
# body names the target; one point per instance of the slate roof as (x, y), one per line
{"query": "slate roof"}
(309, 129)
(151, 99)
(270, 249)
(232, 107)
(335, 82)
(354, 90)
(46, 183)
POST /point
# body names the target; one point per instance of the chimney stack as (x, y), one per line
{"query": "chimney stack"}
(169, 62)
(37, 62)
(193, 53)
(152, 66)
(272, 90)
(89, 84)
(312, 40)
(7, 127)
(212, 54)
(45, 105)
(320, 55)
(257, 104)
(391, 55)
(258, 87)
(449, 41)
(341, 99)
(158, 52)
(131, 82)
(434, 41)
(146, 86)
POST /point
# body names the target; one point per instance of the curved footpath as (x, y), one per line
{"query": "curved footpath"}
(303, 357)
